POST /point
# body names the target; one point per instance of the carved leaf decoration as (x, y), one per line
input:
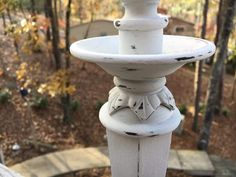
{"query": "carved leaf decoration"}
(142, 105)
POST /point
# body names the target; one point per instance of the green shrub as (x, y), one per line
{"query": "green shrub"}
(74, 105)
(226, 112)
(202, 107)
(39, 102)
(183, 109)
(5, 96)
(231, 62)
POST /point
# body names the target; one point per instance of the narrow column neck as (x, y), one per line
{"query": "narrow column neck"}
(140, 87)
(141, 28)
(141, 9)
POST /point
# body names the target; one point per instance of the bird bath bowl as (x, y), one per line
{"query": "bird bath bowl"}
(177, 51)
(140, 114)
(138, 78)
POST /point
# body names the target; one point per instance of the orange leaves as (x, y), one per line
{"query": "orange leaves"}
(21, 72)
(27, 32)
(24, 75)
(57, 84)
(3, 4)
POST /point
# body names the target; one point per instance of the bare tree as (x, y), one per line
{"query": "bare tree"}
(219, 18)
(52, 13)
(22, 9)
(33, 10)
(12, 23)
(67, 32)
(198, 71)
(66, 99)
(4, 22)
(219, 59)
(234, 86)
(48, 33)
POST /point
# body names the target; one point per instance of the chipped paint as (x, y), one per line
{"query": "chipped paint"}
(123, 86)
(168, 106)
(141, 106)
(131, 133)
(133, 47)
(130, 69)
(152, 136)
(184, 58)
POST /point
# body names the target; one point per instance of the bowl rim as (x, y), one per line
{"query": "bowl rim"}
(181, 57)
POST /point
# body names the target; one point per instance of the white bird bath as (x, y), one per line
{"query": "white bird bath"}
(140, 114)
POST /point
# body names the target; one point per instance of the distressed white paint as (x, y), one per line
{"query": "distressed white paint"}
(140, 114)
(141, 28)
(138, 157)
(177, 51)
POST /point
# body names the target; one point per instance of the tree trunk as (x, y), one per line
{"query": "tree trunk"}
(55, 33)
(91, 21)
(234, 86)
(61, 9)
(67, 36)
(88, 29)
(66, 100)
(35, 35)
(80, 11)
(14, 40)
(218, 28)
(198, 71)
(22, 9)
(48, 33)
(4, 22)
(220, 90)
(33, 11)
(220, 56)
(220, 21)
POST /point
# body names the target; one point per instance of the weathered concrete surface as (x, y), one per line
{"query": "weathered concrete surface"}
(63, 162)
(196, 163)
(224, 168)
(58, 163)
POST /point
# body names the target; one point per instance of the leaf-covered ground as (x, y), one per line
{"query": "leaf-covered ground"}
(42, 131)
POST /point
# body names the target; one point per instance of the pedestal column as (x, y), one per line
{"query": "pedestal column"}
(139, 117)
(140, 114)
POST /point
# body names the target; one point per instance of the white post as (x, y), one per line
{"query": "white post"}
(140, 115)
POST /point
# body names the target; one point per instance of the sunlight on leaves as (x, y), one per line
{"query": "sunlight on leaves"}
(57, 84)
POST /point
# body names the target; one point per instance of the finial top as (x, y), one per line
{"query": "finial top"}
(140, 25)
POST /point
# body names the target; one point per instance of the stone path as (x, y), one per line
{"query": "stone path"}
(224, 168)
(58, 163)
